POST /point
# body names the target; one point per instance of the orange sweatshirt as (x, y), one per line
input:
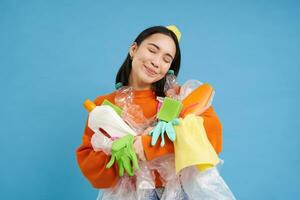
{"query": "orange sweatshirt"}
(93, 164)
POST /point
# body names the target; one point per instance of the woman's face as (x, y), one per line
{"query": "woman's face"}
(151, 60)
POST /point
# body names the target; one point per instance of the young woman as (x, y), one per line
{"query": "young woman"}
(154, 52)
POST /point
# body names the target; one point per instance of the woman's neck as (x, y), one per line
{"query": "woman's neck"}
(138, 85)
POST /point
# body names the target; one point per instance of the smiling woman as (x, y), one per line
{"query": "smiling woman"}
(154, 52)
(151, 60)
(150, 57)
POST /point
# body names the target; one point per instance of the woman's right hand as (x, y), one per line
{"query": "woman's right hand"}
(138, 148)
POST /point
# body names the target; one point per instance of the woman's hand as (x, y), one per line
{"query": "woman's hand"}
(138, 148)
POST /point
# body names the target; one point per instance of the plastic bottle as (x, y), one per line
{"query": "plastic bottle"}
(171, 87)
(106, 124)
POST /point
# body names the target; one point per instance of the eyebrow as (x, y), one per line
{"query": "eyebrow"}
(159, 48)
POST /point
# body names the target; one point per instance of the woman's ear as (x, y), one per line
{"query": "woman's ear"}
(132, 49)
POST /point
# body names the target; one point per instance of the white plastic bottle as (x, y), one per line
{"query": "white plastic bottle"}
(104, 117)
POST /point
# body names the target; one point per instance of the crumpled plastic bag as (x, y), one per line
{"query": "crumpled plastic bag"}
(165, 166)
(138, 187)
(188, 87)
(207, 185)
(190, 183)
(125, 189)
(132, 113)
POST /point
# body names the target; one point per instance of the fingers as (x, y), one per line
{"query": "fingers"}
(170, 132)
(111, 162)
(127, 165)
(134, 161)
(121, 168)
(163, 129)
(156, 133)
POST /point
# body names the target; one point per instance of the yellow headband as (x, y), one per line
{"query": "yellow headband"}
(175, 30)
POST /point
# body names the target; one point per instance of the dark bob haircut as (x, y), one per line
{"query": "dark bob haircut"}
(125, 69)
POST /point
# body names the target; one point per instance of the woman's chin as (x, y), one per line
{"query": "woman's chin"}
(148, 79)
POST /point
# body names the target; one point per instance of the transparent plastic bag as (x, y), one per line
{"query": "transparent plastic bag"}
(132, 113)
(138, 187)
(165, 166)
(125, 189)
(207, 185)
(124, 95)
(101, 143)
(188, 87)
(145, 176)
(190, 183)
(145, 181)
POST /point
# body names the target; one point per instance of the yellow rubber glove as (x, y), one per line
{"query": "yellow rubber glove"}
(192, 146)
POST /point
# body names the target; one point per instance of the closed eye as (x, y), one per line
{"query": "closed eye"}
(151, 50)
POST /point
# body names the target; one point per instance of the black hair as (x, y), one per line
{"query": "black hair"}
(125, 69)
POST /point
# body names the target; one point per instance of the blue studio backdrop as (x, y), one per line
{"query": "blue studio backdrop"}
(56, 54)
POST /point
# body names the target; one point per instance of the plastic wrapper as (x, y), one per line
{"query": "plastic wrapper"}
(188, 87)
(139, 187)
(125, 189)
(190, 183)
(132, 113)
(145, 183)
(165, 166)
(101, 143)
(207, 185)
(124, 95)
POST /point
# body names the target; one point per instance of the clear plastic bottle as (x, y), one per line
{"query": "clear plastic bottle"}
(171, 87)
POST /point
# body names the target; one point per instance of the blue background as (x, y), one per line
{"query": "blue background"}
(56, 54)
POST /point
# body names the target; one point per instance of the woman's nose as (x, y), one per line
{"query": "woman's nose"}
(155, 62)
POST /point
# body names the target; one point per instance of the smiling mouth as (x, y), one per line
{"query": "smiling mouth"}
(150, 72)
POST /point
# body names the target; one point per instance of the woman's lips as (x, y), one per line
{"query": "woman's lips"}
(150, 72)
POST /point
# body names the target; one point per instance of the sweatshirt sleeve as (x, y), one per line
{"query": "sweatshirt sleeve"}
(93, 164)
(155, 151)
(213, 130)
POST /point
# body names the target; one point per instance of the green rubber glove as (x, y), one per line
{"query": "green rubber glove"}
(123, 152)
(161, 128)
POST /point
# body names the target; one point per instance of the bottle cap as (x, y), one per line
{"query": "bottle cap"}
(89, 105)
(118, 85)
(171, 71)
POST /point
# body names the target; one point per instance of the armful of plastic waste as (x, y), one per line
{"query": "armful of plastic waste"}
(167, 116)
